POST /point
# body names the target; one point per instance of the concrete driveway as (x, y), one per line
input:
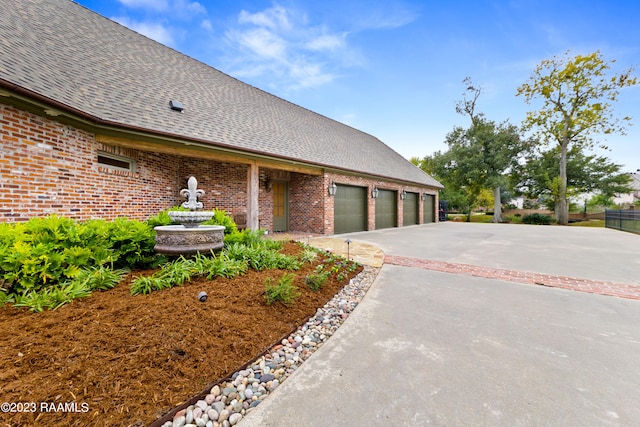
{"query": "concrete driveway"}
(431, 348)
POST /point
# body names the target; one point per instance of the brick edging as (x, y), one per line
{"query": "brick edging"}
(621, 290)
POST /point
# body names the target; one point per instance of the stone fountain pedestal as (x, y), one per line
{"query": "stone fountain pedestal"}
(179, 240)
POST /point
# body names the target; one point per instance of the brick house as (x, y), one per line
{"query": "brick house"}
(97, 120)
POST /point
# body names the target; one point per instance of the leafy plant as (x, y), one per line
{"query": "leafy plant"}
(536, 218)
(220, 217)
(284, 291)
(181, 270)
(47, 260)
(308, 255)
(133, 244)
(223, 266)
(100, 278)
(160, 219)
(52, 297)
(244, 237)
(5, 297)
(260, 256)
(316, 281)
(146, 284)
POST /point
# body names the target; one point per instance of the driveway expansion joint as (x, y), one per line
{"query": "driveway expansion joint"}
(620, 290)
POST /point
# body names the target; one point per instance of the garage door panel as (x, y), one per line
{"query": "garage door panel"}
(386, 209)
(429, 208)
(410, 209)
(350, 209)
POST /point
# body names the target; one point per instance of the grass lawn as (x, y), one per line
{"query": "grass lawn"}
(589, 223)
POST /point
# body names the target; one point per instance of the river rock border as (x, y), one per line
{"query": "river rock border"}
(228, 402)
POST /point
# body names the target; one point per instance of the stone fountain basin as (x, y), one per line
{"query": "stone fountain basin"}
(190, 218)
(181, 240)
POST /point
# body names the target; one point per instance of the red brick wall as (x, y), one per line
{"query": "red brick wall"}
(306, 203)
(224, 184)
(47, 167)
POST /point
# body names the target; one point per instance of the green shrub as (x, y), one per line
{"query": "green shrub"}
(5, 297)
(133, 244)
(52, 297)
(145, 285)
(262, 256)
(536, 218)
(47, 261)
(48, 251)
(244, 237)
(316, 281)
(284, 291)
(308, 254)
(162, 218)
(222, 266)
(220, 217)
(181, 270)
(99, 278)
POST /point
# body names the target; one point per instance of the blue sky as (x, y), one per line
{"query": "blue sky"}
(394, 68)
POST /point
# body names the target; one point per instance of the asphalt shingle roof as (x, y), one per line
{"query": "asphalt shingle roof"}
(71, 55)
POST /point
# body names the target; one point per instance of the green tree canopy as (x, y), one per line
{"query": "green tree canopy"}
(477, 158)
(577, 95)
(585, 173)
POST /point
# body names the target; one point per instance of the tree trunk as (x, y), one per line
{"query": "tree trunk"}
(562, 212)
(497, 205)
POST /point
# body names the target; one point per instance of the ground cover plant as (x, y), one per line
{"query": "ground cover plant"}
(126, 359)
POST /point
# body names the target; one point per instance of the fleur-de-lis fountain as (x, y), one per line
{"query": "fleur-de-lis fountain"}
(194, 217)
(192, 194)
(190, 236)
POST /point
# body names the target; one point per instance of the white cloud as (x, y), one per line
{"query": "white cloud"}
(309, 75)
(283, 45)
(327, 42)
(279, 43)
(206, 24)
(263, 43)
(153, 30)
(275, 18)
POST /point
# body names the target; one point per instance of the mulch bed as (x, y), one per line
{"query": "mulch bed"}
(113, 359)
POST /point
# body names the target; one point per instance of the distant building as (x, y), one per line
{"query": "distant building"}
(628, 199)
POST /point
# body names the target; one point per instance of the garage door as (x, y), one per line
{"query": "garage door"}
(428, 207)
(350, 209)
(386, 209)
(410, 207)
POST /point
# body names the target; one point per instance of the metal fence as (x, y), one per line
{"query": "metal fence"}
(443, 210)
(627, 220)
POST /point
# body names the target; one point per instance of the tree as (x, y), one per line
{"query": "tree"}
(493, 148)
(577, 96)
(586, 173)
(476, 159)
